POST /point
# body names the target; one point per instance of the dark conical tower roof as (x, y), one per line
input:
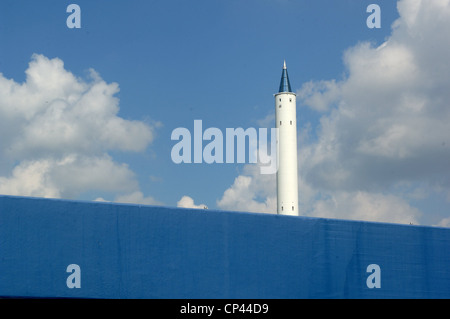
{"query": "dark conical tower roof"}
(285, 85)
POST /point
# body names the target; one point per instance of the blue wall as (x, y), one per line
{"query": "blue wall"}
(129, 251)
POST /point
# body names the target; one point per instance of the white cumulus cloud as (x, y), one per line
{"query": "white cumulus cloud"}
(57, 130)
(390, 123)
(366, 206)
(251, 192)
(188, 202)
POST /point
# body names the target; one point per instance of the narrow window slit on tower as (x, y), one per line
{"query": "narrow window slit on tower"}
(291, 122)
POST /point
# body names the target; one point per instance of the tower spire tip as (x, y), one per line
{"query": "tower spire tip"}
(285, 86)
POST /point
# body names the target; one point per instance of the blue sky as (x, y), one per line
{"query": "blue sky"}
(220, 61)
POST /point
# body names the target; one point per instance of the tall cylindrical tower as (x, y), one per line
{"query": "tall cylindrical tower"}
(286, 122)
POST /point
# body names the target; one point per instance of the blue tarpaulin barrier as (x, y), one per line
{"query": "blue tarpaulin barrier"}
(73, 249)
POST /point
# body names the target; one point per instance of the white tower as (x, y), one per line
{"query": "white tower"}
(286, 122)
